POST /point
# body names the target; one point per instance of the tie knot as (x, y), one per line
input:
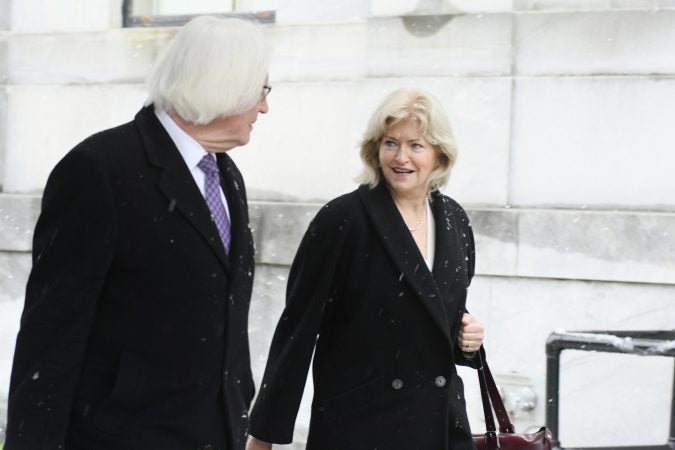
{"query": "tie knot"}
(208, 164)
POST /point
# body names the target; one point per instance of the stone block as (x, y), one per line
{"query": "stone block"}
(44, 122)
(14, 269)
(66, 15)
(18, 214)
(628, 247)
(392, 7)
(113, 56)
(593, 142)
(496, 236)
(561, 5)
(3, 124)
(484, 6)
(279, 230)
(317, 159)
(433, 45)
(316, 51)
(407, 7)
(10, 317)
(575, 244)
(307, 11)
(590, 5)
(600, 42)
(6, 16)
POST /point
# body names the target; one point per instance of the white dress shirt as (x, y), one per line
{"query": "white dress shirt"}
(431, 238)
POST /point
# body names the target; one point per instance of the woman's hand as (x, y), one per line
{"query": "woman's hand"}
(471, 334)
(257, 444)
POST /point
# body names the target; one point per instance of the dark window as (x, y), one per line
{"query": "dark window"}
(143, 13)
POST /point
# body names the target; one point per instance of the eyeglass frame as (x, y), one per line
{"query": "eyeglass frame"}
(265, 92)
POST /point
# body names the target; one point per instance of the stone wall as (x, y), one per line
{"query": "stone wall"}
(563, 113)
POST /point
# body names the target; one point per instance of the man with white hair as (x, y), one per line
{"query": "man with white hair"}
(134, 330)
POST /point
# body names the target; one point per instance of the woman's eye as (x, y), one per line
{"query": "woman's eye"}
(417, 147)
(388, 143)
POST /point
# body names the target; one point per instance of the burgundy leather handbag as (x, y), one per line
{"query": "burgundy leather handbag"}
(507, 438)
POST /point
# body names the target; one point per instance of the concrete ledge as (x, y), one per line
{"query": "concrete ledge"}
(560, 244)
(622, 246)
(14, 270)
(576, 244)
(18, 214)
(278, 229)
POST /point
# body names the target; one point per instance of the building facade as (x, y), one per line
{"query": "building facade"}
(563, 111)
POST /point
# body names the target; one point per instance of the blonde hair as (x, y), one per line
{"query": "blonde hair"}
(212, 68)
(404, 105)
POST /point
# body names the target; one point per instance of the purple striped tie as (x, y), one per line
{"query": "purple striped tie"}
(213, 200)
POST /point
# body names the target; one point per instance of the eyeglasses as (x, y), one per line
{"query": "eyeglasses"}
(265, 92)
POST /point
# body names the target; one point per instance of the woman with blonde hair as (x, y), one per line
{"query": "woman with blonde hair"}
(381, 279)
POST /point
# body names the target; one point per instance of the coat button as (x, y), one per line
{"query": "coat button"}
(440, 381)
(397, 384)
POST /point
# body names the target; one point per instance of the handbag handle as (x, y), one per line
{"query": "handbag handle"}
(491, 399)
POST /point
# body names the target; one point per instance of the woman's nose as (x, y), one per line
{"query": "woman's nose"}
(401, 155)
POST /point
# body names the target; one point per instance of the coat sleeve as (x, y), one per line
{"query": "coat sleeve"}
(469, 253)
(72, 251)
(309, 286)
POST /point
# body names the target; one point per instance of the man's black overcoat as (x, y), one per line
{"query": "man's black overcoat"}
(134, 331)
(384, 367)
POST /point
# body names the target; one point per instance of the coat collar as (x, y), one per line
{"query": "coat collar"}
(431, 290)
(177, 184)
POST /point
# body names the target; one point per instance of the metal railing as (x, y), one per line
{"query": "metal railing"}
(644, 343)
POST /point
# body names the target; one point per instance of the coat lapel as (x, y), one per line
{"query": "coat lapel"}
(236, 202)
(176, 181)
(449, 265)
(403, 251)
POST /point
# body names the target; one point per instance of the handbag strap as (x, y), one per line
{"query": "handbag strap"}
(491, 398)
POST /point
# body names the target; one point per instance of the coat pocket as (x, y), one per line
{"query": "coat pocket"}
(126, 398)
(348, 402)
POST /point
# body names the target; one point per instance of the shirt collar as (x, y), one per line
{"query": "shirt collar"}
(191, 151)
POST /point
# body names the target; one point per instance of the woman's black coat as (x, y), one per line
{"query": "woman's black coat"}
(384, 366)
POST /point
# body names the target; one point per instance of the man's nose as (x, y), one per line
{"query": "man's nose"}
(263, 106)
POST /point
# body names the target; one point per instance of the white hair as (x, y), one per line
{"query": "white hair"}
(212, 68)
